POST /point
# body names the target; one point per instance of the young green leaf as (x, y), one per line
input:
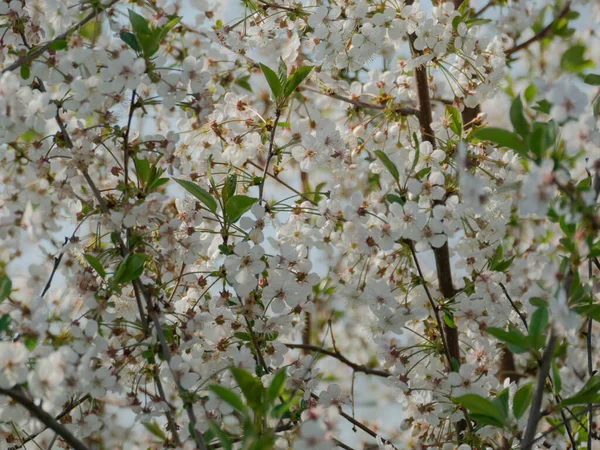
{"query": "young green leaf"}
(142, 169)
(589, 393)
(503, 138)
(273, 81)
(517, 117)
(482, 407)
(295, 79)
(592, 79)
(276, 386)
(522, 400)
(513, 337)
(130, 40)
(389, 165)
(223, 436)
(229, 188)
(251, 387)
(138, 23)
(130, 268)
(59, 44)
(229, 396)
(538, 321)
(456, 124)
(155, 429)
(237, 205)
(199, 193)
(501, 403)
(573, 60)
(282, 72)
(162, 32)
(95, 263)
(5, 287)
(4, 322)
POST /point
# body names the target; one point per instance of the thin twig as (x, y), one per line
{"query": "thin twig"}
(19, 396)
(542, 33)
(538, 394)
(337, 355)
(436, 313)
(514, 306)
(261, 186)
(43, 48)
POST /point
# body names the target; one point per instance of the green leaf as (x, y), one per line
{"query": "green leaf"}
(199, 193)
(229, 396)
(4, 322)
(591, 311)
(59, 44)
(223, 436)
(456, 124)
(251, 387)
(530, 92)
(503, 138)
(589, 393)
(517, 117)
(543, 136)
(130, 40)
(295, 79)
(393, 198)
(142, 169)
(229, 188)
(157, 183)
(154, 428)
(573, 60)
(276, 386)
(162, 32)
(130, 268)
(25, 71)
(514, 337)
(148, 43)
(389, 165)
(282, 72)
(273, 81)
(522, 400)
(596, 107)
(538, 321)
(592, 79)
(5, 287)
(237, 206)
(244, 83)
(483, 408)
(138, 23)
(556, 377)
(449, 320)
(95, 263)
(501, 403)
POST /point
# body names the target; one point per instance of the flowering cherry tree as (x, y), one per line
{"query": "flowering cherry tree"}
(223, 223)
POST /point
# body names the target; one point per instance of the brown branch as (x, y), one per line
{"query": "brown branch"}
(65, 411)
(441, 254)
(19, 396)
(43, 48)
(337, 355)
(261, 186)
(402, 110)
(535, 414)
(542, 33)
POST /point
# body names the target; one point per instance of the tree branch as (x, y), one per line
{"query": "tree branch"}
(535, 414)
(40, 50)
(337, 355)
(540, 34)
(18, 396)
